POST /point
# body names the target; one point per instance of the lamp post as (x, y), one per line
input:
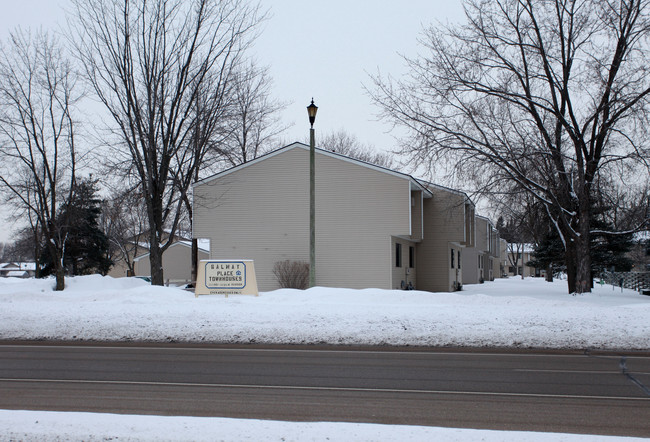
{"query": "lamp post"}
(311, 110)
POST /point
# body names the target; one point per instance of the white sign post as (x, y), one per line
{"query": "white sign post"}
(226, 277)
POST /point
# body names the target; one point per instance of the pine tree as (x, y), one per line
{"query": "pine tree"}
(608, 250)
(86, 249)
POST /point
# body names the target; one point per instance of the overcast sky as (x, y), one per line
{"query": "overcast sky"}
(325, 50)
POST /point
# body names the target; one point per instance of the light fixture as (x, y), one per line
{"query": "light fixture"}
(311, 110)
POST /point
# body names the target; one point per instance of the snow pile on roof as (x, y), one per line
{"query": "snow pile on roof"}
(504, 313)
(30, 266)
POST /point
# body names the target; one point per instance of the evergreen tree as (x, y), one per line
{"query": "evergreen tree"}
(608, 250)
(87, 246)
(549, 254)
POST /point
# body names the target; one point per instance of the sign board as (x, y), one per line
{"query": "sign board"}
(226, 277)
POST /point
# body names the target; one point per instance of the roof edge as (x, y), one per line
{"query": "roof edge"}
(299, 145)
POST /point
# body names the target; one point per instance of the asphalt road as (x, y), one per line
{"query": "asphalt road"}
(576, 393)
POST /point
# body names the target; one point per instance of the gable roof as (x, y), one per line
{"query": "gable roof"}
(415, 184)
(487, 220)
(450, 190)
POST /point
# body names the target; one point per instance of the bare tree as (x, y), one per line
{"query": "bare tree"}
(254, 124)
(22, 247)
(550, 94)
(37, 133)
(246, 127)
(123, 221)
(150, 63)
(346, 144)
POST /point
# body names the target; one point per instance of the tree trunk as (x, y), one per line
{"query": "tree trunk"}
(583, 257)
(57, 262)
(156, 229)
(583, 270)
(570, 261)
(155, 261)
(60, 276)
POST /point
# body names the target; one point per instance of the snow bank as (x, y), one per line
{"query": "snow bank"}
(504, 313)
(89, 427)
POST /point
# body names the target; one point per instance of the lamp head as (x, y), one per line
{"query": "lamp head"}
(311, 110)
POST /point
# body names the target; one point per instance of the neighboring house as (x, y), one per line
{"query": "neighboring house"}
(176, 260)
(515, 262)
(375, 227)
(136, 246)
(18, 269)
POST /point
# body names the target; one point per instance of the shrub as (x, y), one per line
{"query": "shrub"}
(292, 274)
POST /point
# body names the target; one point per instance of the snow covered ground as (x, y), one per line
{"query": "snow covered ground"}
(91, 427)
(503, 313)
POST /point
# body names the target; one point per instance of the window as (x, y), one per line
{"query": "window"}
(398, 255)
(459, 259)
(479, 263)
(411, 256)
(453, 255)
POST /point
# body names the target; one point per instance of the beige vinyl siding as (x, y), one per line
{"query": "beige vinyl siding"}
(471, 271)
(257, 212)
(358, 210)
(261, 212)
(118, 270)
(475, 272)
(444, 228)
(177, 263)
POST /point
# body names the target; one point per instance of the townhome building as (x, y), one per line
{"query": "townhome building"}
(375, 227)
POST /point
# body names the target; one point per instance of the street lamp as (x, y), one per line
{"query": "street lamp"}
(311, 110)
